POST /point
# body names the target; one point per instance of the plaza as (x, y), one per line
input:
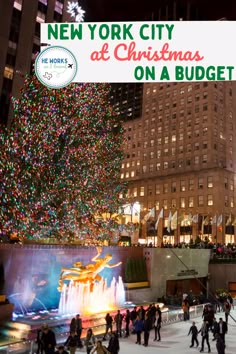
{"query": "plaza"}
(174, 339)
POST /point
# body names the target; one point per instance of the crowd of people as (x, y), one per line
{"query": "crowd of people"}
(140, 321)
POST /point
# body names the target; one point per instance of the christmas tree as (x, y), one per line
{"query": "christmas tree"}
(60, 161)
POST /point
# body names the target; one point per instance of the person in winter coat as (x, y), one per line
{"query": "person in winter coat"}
(194, 331)
(205, 336)
(157, 324)
(114, 345)
(99, 349)
(138, 325)
(48, 340)
(71, 342)
(220, 345)
(89, 341)
(147, 326)
(118, 321)
(127, 322)
(108, 320)
(39, 341)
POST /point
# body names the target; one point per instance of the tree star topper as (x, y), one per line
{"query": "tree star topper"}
(75, 11)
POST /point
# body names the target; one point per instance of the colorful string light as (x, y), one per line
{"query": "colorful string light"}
(60, 162)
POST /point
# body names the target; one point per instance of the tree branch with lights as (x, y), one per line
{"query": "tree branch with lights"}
(60, 162)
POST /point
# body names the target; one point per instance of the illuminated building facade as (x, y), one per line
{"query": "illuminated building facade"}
(20, 42)
(180, 156)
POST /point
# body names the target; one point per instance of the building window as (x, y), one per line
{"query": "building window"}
(144, 156)
(158, 166)
(18, 5)
(123, 165)
(204, 159)
(232, 202)
(190, 202)
(182, 186)
(173, 203)
(132, 174)
(151, 155)
(182, 202)
(151, 168)
(173, 138)
(210, 182)
(157, 204)
(200, 183)
(122, 175)
(8, 72)
(58, 7)
(226, 183)
(152, 143)
(144, 169)
(165, 165)
(149, 190)
(173, 187)
(158, 189)
(165, 204)
(165, 188)
(135, 192)
(127, 175)
(200, 200)
(166, 140)
(231, 184)
(40, 18)
(196, 160)
(210, 199)
(204, 144)
(166, 152)
(191, 185)
(141, 193)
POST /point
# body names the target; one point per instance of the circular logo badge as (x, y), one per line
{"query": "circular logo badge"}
(56, 67)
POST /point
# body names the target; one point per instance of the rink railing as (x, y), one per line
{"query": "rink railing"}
(168, 317)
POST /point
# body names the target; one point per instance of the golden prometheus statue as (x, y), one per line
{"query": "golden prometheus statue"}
(86, 274)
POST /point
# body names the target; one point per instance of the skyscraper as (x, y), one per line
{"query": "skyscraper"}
(180, 156)
(20, 42)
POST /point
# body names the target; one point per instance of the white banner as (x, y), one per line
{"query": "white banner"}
(139, 51)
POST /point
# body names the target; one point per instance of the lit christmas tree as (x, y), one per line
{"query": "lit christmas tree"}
(60, 161)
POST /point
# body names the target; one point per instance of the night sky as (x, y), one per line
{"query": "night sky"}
(136, 10)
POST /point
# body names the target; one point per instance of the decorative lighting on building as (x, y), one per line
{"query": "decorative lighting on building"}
(75, 11)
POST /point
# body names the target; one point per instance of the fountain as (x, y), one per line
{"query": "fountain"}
(79, 298)
(87, 291)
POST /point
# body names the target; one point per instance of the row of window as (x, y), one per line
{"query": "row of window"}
(182, 186)
(191, 202)
(183, 89)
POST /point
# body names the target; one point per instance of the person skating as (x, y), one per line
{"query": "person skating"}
(89, 340)
(127, 322)
(118, 321)
(157, 323)
(99, 349)
(71, 342)
(48, 339)
(205, 336)
(194, 331)
(78, 324)
(108, 320)
(222, 329)
(147, 326)
(220, 345)
(138, 325)
(114, 345)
